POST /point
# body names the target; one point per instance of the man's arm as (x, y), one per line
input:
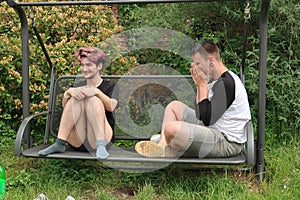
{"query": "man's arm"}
(223, 96)
(201, 81)
(200, 77)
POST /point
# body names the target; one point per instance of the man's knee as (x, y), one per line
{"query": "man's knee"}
(177, 108)
(174, 104)
(171, 130)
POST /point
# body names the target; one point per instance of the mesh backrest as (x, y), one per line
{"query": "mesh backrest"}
(142, 100)
(61, 85)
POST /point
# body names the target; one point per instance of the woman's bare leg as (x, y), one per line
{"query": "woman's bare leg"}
(99, 130)
(73, 123)
(71, 129)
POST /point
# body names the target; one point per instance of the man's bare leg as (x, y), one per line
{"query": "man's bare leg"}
(173, 113)
(174, 134)
(177, 135)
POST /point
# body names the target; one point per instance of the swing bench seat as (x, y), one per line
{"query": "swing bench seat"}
(137, 94)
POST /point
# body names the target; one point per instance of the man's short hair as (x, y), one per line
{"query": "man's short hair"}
(211, 48)
(199, 49)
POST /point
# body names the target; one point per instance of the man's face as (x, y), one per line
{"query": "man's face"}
(89, 69)
(200, 62)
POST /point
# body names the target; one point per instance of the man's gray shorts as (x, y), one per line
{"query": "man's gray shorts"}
(207, 142)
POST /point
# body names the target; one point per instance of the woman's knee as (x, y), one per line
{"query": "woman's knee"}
(93, 99)
(73, 102)
(93, 103)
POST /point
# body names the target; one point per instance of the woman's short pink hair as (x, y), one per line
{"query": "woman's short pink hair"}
(94, 54)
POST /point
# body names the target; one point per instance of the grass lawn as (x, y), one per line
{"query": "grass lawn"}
(27, 178)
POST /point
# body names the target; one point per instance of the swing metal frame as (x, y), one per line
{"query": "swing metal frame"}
(23, 132)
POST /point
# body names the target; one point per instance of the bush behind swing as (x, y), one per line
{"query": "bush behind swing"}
(93, 24)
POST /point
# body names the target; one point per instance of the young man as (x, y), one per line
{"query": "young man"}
(216, 127)
(87, 119)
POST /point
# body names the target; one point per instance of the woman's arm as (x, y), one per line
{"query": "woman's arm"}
(109, 103)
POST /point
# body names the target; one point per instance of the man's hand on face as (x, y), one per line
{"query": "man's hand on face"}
(199, 73)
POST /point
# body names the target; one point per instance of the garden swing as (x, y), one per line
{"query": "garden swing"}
(253, 156)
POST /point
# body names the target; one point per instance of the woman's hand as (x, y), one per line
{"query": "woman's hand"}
(89, 91)
(81, 93)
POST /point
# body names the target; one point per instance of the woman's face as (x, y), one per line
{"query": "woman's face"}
(89, 69)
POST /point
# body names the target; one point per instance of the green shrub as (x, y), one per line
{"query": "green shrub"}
(224, 23)
(63, 30)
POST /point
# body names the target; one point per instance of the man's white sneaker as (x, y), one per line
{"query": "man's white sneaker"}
(155, 138)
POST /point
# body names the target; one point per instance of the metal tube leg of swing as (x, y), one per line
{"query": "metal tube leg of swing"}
(262, 89)
(25, 68)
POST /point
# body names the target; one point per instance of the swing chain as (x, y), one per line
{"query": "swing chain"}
(247, 12)
(31, 16)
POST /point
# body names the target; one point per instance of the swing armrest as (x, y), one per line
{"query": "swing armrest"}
(21, 131)
(251, 157)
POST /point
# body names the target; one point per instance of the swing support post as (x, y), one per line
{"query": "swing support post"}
(25, 66)
(262, 88)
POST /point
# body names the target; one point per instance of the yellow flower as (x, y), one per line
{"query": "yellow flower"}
(18, 103)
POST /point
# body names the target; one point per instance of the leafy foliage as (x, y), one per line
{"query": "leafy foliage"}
(64, 29)
(10, 63)
(224, 23)
(58, 178)
(283, 102)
